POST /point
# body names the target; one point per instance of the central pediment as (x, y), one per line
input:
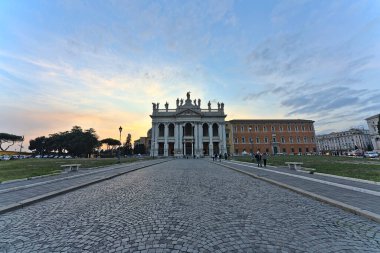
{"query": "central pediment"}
(187, 113)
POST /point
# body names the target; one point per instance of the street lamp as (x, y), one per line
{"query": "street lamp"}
(251, 139)
(118, 153)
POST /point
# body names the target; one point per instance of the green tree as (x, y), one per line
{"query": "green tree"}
(111, 143)
(9, 138)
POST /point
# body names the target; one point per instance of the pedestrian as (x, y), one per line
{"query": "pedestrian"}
(265, 157)
(213, 158)
(258, 159)
(220, 157)
(216, 157)
(225, 156)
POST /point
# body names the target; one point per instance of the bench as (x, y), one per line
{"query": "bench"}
(294, 165)
(70, 167)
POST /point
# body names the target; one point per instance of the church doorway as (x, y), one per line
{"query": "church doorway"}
(171, 149)
(188, 148)
(205, 149)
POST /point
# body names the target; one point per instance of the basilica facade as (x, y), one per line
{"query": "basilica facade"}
(188, 130)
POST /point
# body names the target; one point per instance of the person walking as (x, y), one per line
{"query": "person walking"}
(265, 157)
(258, 159)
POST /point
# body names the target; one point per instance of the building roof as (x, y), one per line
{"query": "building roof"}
(253, 121)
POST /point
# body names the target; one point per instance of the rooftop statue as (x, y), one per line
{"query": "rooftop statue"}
(154, 106)
(209, 105)
(188, 95)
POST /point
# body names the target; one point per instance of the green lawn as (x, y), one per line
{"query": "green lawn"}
(342, 166)
(26, 168)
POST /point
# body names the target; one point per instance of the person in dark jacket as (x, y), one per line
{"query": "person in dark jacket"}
(265, 157)
(258, 159)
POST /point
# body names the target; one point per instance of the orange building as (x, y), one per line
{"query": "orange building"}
(275, 136)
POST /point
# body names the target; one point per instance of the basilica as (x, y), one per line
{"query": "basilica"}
(188, 130)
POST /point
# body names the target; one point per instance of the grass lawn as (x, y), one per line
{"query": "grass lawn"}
(336, 165)
(25, 168)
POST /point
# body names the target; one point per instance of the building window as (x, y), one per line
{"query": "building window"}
(291, 139)
(307, 150)
(274, 139)
(250, 140)
(235, 129)
(281, 129)
(292, 150)
(161, 130)
(205, 129)
(242, 129)
(266, 140)
(236, 151)
(273, 128)
(282, 139)
(296, 128)
(300, 150)
(284, 150)
(242, 140)
(312, 139)
(289, 128)
(257, 140)
(236, 140)
(303, 128)
(256, 129)
(298, 139)
(264, 128)
(305, 139)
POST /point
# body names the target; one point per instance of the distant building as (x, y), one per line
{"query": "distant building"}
(141, 141)
(373, 131)
(341, 142)
(273, 136)
(188, 130)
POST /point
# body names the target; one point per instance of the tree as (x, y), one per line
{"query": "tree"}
(38, 145)
(9, 138)
(128, 145)
(76, 142)
(110, 143)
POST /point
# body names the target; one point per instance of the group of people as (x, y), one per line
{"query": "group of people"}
(260, 158)
(215, 157)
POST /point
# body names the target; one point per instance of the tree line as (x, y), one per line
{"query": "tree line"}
(80, 143)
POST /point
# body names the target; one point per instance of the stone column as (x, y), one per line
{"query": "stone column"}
(196, 141)
(166, 133)
(211, 147)
(176, 139)
(180, 138)
(192, 149)
(200, 139)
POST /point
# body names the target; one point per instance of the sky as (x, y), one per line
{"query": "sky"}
(101, 64)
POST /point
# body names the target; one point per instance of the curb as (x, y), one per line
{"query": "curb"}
(52, 194)
(367, 214)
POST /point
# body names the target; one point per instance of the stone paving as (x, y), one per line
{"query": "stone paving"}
(360, 200)
(185, 206)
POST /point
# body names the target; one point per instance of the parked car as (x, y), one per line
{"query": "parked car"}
(6, 158)
(68, 157)
(371, 154)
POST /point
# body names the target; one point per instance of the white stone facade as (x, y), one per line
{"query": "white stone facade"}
(188, 130)
(341, 142)
(373, 131)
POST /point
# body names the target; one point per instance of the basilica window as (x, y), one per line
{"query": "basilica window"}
(205, 129)
(215, 130)
(171, 130)
(161, 130)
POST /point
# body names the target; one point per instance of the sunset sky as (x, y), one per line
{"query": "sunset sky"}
(101, 64)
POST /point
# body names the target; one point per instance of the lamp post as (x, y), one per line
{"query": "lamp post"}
(251, 140)
(118, 153)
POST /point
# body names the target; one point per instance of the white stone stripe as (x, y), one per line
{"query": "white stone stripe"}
(353, 188)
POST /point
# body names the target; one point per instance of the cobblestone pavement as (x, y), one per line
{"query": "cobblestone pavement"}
(362, 200)
(185, 206)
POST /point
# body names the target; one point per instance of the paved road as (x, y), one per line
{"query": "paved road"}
(185, 206)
